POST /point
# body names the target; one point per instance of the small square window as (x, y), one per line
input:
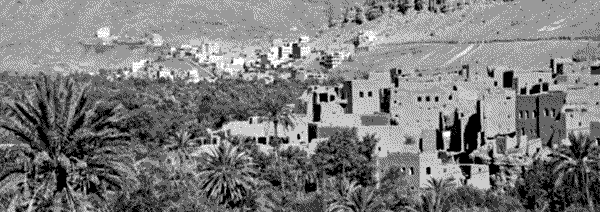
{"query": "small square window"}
(450, 97)
(361, 94)
(370, 94)
(445, 170)
(427, 99)
(419, 99)
(526, 114)
(437, 99)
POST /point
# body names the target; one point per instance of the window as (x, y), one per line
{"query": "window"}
(553, 113)
(395, 102)
(361, 94)
(450, 97)
(437, 99)
(395, 91)
(250, 120)
(522, 131)
(428, 170)
(545, 111)
(454, 87)
(571, 115)
(411, 171)
(521, 114)
(323, 97)
(298, 136)
(427, 99)
(370, 94)
(419, 99)
(403, 169)
(495, 83)
(331, 98)
(580, 124)
(445, 170)
(526, 114)
(533, 114)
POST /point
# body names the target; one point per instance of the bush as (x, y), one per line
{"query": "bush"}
(419, 5)
(373, 14)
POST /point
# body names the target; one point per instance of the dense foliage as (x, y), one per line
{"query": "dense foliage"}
(80, 143)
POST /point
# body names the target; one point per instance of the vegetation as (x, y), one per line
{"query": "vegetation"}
(80, 143)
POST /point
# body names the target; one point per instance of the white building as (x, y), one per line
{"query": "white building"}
(103, 32)
(237, 61)
(137, 66)
(285, 51)
(211, 48)
(157, 39)
(215, 58)
(304, 51)
(303, 39)
(273, 53)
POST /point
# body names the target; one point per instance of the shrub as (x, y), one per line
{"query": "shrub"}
(419, 5)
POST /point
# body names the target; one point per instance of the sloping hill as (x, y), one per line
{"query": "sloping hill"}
(34, 30)
(522, 56)
(488, 20)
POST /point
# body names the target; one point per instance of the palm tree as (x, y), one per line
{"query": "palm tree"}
(70, 145)
(578, 159)
(180, 145)
(228, 175)
(356, 199)
(438, 188)
(275, 110)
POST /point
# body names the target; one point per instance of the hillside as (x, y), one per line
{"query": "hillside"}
(43, 34)
(37, 31)
(522, 56)
(487, 20)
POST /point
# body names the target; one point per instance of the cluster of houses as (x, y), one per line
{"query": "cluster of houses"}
(452, 124)
(208, 62)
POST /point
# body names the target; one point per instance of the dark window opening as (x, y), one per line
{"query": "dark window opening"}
(428, 170)
(508, 79)
(545, 86)
(370, 94)
(560, 68)
(454, 88)
(450, 97)
(262, 140)
(437, 99)
(427, 99)
(418, 99)
(495, 83)
(331, 98)
(323, 97)
(361, 94)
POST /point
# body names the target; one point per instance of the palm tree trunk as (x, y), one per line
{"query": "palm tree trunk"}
(275, 122)
(587, 189)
